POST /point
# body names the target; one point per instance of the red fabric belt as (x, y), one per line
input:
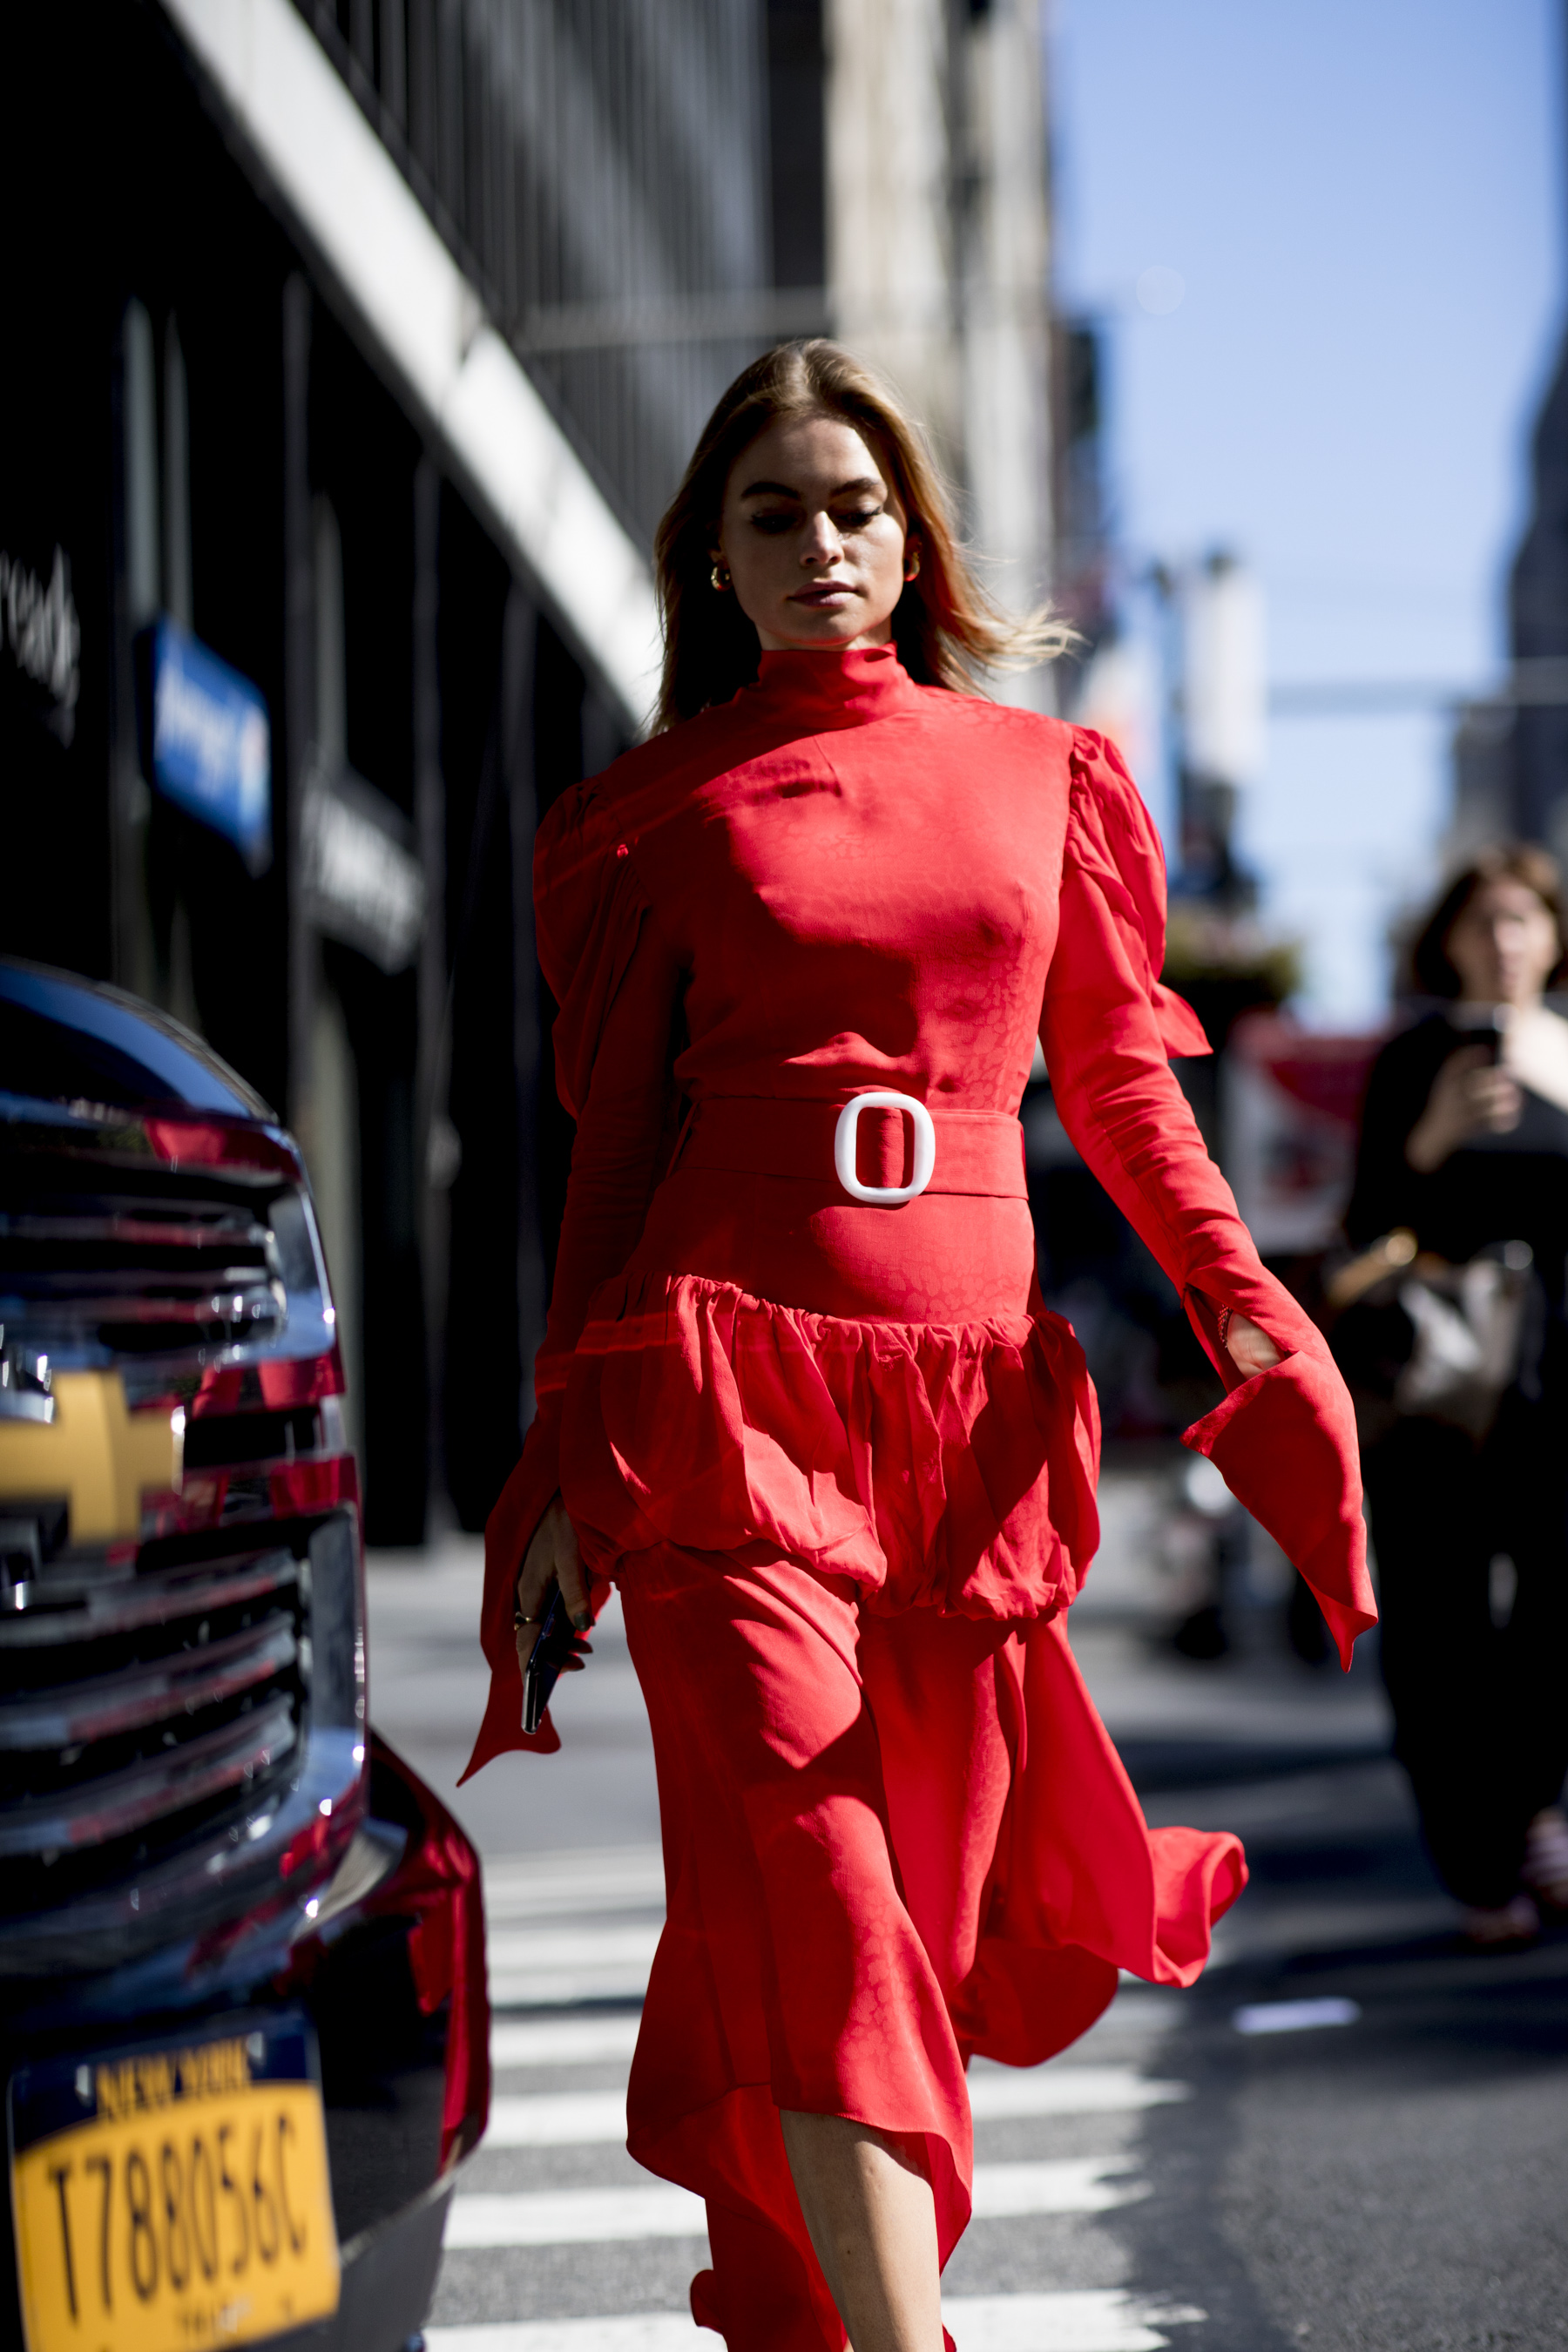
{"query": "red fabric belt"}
(977, 1151)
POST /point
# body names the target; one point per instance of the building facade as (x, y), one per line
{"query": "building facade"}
(356, 352)
(937, 252)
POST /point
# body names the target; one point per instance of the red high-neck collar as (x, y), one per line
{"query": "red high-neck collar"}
(831, 689)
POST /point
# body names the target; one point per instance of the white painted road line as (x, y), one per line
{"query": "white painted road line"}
(653, 2331)
(1097, 2320)
(617, 1879)
(559, 1966)
(510, 1949)
(566, 1988)
(569, 2120)
(590, 2118)
(562, 2041)
(573, 2217)
(584, 2217)
(1071, 2184)
(1066, 2090)
(1294, 2016)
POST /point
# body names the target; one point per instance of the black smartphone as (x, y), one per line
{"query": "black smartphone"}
(1489, 1033)
(1490, 1038)
(557, 1642)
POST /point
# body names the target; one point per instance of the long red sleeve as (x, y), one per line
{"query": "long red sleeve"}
(612, 1042)
(1106, 1050)
(1285, 1439)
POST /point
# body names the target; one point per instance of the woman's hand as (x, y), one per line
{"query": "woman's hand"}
(1469, 1096)
(553, 1558)
(1250, 1349)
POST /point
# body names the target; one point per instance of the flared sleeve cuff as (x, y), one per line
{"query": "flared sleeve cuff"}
(589, 908)
(508, 1531)
(1112, 841)
(1285, 1444)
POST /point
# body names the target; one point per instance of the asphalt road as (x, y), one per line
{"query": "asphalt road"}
(1353, 2133)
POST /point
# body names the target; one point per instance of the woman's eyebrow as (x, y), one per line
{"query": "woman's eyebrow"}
(863, 483)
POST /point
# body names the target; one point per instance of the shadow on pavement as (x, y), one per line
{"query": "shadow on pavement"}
(1395, 2183)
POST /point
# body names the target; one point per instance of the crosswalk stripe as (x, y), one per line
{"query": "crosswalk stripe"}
(562, 2041)
(1066, 2090)
(549, 1966)
(1090, 2320)
(573, 2217)
(569, 2120)
(614, 1878)
(1086, 2320)
(1058, 2184)
(565, 1947)
(565, 1988)
(580, 2216)
(534, 1988)
(590, 2118)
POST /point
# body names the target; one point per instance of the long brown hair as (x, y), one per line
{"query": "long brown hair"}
(946, 626)
(1508, 861)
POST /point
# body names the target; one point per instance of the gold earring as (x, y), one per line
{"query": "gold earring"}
(913, 568)
(720, 576)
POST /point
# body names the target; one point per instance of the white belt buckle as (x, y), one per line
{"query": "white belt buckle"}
(884, 1196)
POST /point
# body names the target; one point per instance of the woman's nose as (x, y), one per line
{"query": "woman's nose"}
(823, 542)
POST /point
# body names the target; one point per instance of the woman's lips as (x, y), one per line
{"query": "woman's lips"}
(830, 591)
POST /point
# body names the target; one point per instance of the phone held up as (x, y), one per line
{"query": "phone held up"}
(557, 1645)
(1490, 1032)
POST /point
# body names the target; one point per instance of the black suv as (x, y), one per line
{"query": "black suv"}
(243, 2021)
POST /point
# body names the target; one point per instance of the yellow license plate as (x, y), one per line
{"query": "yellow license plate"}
(174, 2197)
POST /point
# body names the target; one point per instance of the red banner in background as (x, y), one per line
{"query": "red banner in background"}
(1292, 1106)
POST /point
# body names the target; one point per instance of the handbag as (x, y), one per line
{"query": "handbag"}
(1417, 1335)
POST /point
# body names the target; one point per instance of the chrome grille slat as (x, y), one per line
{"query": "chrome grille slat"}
(195, 1229)
(62, 1285)
(52, 1612)
(95, 1270)
(237, 1301)
(119, 1803)
(137, 1696)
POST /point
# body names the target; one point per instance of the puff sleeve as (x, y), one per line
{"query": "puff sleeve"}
(1284, 1439)
(616, 983)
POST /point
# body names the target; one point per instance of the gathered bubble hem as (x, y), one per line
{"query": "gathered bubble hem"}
(936, 1466)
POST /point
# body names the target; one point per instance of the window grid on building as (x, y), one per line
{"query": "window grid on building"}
(600, 169)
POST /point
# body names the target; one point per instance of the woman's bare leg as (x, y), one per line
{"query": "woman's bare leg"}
(873, 2225)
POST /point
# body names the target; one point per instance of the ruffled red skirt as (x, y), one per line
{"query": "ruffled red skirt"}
(895, 1829)
(934, 1465)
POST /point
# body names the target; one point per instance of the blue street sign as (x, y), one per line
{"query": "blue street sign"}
(211, 745)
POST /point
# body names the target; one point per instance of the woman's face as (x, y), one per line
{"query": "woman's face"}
(814, 537)
(1504, 944)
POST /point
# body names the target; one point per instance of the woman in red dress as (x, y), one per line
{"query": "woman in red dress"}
(800, 1398)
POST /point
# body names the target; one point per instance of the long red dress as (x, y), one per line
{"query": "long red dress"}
(838, 1456)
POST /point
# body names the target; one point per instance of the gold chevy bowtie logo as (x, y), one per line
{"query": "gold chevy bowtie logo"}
(96, 1451)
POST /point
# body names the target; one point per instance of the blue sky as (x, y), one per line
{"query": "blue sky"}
(1366, 203)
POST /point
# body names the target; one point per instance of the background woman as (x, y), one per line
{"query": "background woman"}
(1464, 1143)
(806, 1407)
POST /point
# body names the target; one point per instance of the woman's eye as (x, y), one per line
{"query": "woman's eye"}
(774, 524)
(858, 519)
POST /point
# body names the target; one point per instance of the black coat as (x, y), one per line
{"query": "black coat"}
(1499, 1188)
